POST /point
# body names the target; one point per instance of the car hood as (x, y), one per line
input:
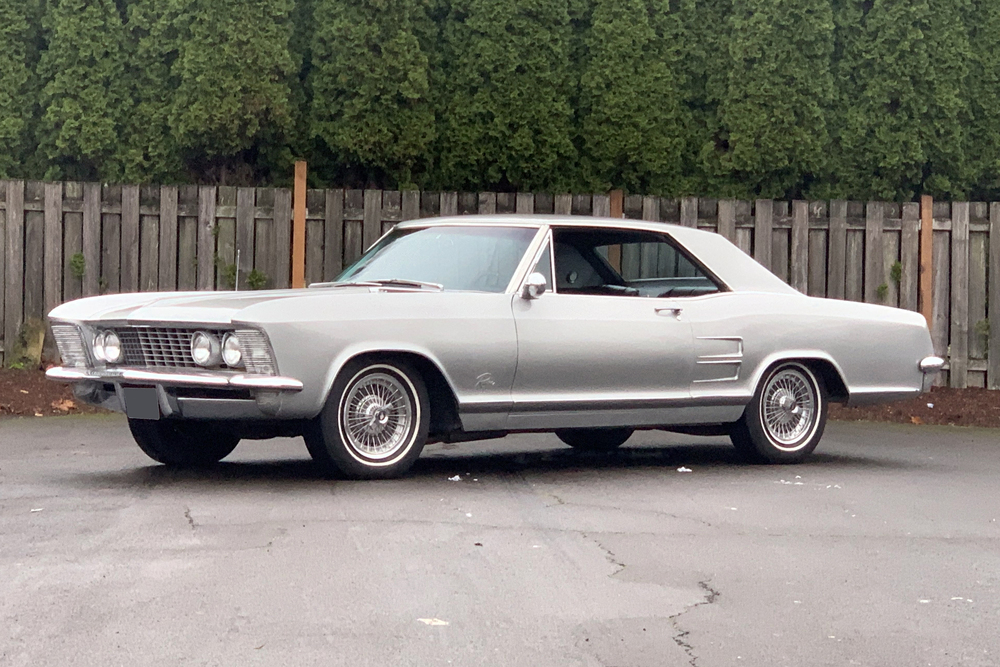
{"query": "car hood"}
(184, 307)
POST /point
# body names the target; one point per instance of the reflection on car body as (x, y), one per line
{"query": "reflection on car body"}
(465, 328)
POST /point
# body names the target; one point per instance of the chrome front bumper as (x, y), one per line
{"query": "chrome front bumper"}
(141, 377)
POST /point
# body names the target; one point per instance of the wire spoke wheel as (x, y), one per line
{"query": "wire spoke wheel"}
(789, 408)
(377, 415)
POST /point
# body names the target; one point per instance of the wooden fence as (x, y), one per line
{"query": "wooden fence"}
(60, 241)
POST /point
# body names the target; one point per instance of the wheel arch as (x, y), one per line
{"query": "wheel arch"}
(440, 391)
(820, 363)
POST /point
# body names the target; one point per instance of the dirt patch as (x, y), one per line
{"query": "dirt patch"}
(942, 406)
(29, 394)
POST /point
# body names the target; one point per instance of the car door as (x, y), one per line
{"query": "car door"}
(594, 352)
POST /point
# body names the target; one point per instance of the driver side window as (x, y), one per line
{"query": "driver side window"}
(624, 262)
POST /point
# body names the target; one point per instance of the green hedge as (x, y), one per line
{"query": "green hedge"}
(869, 99)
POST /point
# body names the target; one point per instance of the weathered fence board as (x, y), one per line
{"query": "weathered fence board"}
(333, 250)
(168, 227)
(763, 225)
(909, 256)
(959, 350)
(53, 260)
(34, 240)
(14, 289)
(130, 238)
(942, 295)
(206, 237)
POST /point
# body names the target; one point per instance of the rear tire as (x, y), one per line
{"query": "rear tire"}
(375, 421)
(784, 421)
(594, 439)
(183, 444)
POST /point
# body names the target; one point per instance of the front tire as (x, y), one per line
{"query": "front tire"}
(594, 439)
(784, 421)
(375, 421)
(183, 444)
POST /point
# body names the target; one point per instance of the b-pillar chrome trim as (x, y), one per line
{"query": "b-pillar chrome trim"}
(134, 376)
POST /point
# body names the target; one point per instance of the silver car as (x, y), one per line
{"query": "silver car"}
(467, 328)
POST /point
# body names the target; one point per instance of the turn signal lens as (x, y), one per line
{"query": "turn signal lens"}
(205, 349)
(231, 352)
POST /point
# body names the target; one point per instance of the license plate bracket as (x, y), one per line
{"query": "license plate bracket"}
(142, 403)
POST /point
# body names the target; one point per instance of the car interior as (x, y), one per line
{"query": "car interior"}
(623, 263)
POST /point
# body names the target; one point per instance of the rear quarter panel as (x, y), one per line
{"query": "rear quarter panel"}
(876, 349)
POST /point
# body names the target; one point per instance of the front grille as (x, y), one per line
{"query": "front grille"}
(160, 347)
(69, 340)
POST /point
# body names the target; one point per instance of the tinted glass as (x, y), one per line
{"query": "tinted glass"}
(474, 258)
(544, 266)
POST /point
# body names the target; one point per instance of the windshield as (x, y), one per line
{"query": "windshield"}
(473, 258)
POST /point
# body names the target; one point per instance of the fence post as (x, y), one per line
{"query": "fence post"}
(926, 296)
(299, 227)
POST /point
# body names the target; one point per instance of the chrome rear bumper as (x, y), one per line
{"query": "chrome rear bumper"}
(930, 366)
(141, 377)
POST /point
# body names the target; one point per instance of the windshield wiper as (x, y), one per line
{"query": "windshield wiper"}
(401, 282)
(385, 282)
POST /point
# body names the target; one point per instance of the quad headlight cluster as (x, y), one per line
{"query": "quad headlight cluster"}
(208, 351)
(108, 347)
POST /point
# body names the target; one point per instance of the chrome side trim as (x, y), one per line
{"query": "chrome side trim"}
(601, 404)
(273, 383)
(734, 359)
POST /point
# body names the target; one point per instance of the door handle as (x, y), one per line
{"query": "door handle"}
(672, 310)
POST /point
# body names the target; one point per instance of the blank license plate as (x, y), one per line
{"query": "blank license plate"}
(141, 403)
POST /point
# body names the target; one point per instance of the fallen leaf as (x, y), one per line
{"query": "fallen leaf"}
(65, 405)
(39, 414)
(433, 621)
(916, 420)
(22, 391)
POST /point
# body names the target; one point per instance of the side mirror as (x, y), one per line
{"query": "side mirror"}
(534, 286)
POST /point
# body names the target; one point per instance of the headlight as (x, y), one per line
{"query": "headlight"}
(231, 352)
(99, 347)
(112, 347)
(205, 349)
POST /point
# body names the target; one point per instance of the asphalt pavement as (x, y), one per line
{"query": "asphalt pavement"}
(883, 550)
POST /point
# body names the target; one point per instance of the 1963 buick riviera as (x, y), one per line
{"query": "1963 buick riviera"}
(467, 328)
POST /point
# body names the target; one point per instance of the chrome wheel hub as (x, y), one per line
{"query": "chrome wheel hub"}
(789, 408)
(377, 416)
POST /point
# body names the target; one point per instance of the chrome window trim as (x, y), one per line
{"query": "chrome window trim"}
(546, 243)
(528, 261)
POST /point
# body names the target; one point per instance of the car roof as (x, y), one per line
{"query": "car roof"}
(735, 268)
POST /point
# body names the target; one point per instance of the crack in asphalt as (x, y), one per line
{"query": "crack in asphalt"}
(187, 515)
(609, 555)
(680, 637)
